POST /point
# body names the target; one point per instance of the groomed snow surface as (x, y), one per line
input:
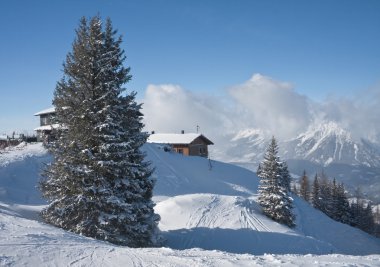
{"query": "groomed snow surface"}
(209, 217)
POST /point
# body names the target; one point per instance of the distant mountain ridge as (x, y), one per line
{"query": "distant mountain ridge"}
(324, 146)
(328, 143)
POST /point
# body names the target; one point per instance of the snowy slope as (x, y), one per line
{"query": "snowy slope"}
(209, 218)
(178, 175)
(19, 170)
(31, 243)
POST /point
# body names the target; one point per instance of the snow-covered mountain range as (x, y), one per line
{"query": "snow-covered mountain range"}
(328, 143)
(209, 217)
(324, 146)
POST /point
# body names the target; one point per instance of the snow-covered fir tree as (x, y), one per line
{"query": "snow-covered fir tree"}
(286, 178)
(362, 216)
(325, 195)
(273, 196)
(304, 187)
(98, 184)
(315, 195)
(341, 204)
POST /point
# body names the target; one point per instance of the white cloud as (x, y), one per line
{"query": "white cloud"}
(169, 108)
(261, 102)
(360, 115)
(273, 106)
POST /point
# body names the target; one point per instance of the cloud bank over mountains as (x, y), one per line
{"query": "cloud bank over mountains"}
(170, 108)
(261, 103)
(272, 106)
(360, 116)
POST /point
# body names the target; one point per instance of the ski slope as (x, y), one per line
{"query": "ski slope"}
(209, 217)
(204, 207)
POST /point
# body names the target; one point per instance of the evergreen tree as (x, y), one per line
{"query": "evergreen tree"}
(368, 222)
(325, 195)
(361, 213)
(334, 200)
(330, 198)
(376, 218)
(98, 184)
(316, 199)
(304, 186)
(377, 214)
(356, 209)
(294, 189)
(342, 208)
(273, 196)
(286, 178)
(362, 216)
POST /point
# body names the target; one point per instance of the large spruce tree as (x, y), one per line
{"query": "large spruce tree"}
(98, 184)
(273, 195)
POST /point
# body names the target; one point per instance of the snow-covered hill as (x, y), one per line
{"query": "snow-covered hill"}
(209, 217)
(325, 146)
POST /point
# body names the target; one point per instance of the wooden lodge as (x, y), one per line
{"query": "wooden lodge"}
(188, 144)
(47, 119)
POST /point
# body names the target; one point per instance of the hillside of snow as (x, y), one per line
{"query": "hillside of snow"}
(209, 217)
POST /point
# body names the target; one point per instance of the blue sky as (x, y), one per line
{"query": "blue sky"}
(322, 47)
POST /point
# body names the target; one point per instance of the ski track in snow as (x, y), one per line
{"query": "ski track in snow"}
(200, 216)
(251, 221)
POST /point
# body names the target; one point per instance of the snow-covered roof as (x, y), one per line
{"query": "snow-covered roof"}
(3, 137)
(45, 111)
(47, 127)
(171, 138)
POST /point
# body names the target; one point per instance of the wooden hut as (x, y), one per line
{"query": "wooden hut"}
(188, 144)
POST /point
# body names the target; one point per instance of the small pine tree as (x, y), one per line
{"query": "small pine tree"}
(98, 184)
(342, 209)
(334, 200)
(368, 220)
(362, 216)
(325, 195)
(330, 198)
(316, 198)
(294, 189)
(377, 215)
(286, 178)
(304, 187)
(376, 218)
(356, 209)
(273, 196)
